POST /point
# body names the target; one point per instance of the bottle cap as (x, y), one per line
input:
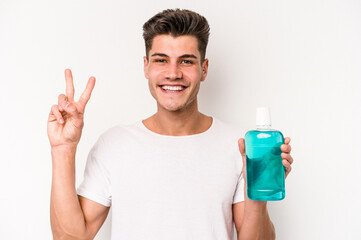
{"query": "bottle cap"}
(263, 118)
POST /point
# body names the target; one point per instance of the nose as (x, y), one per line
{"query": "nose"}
(173, 72)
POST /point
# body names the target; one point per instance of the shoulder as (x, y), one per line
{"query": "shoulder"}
(120, 132)
(228, 129)
(123, 136)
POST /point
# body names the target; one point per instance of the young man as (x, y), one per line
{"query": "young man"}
(175, 175)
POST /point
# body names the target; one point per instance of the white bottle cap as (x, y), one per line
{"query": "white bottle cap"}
(263, 118)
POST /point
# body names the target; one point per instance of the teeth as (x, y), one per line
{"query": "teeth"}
(173, 88)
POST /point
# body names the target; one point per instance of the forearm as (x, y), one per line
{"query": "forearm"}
(67, 218)
(256, 223)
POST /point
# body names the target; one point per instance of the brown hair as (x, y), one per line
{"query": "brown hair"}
(177, 22)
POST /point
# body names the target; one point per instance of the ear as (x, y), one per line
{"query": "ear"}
(204, 69)
(145, 67)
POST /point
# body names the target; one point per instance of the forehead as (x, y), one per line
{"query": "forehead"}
(175, 46)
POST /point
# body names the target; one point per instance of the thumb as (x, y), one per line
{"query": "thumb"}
(242, 150)
(70, 108)
(241, 147)
(73, 114)
(243, 153)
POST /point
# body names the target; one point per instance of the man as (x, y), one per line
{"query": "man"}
(175, 175)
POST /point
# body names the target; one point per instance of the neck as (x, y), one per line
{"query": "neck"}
(178, 123)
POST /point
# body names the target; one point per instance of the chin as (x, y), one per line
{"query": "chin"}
(172, 108)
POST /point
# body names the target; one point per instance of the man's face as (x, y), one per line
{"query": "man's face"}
(174, 71)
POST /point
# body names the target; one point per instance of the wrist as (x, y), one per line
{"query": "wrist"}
(63, 154)
(256, 206)
(64, 149)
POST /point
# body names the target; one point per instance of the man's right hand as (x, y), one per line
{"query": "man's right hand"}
(65, 122)
(72, 216)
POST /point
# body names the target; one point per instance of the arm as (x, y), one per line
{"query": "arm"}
(252, 221)
(72, 217)
(251, 218)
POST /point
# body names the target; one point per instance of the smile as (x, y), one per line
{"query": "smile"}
(172, 89)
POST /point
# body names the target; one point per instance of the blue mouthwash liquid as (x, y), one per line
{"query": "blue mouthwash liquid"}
(265, 171)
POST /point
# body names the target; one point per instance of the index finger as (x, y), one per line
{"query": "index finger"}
(85, 96)
(69, 85)
(287, 140)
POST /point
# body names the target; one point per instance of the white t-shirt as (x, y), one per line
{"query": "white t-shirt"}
(167, 187)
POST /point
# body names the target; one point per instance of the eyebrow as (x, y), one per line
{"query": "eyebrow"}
(183, 56)
(159, 54)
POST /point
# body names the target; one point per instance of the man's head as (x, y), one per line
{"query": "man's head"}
(177, 23)
(175, 62)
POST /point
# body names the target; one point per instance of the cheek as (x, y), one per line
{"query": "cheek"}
(155, 73)
(152, 89)
(194, 76)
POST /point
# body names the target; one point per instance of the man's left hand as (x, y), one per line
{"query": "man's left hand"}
(286, 156)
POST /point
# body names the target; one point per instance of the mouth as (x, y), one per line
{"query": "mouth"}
(172, 88)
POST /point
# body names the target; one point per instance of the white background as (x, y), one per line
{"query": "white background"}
(300, 58)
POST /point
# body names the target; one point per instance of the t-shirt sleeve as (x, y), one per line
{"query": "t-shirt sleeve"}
(96, 183)
(239, 193)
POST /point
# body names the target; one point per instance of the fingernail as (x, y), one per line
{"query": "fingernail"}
(61, 121)
(65, 104)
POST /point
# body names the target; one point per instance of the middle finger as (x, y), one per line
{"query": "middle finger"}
(287, 157)
(286, 148)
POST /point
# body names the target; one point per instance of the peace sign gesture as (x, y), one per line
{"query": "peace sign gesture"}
(65, 122)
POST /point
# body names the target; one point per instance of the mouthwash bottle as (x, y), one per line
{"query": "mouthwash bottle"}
(265, 171)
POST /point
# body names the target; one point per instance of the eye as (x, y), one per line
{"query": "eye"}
(160, 60)
(187, 61)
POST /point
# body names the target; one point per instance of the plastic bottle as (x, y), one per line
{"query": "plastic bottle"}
(265, 171)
